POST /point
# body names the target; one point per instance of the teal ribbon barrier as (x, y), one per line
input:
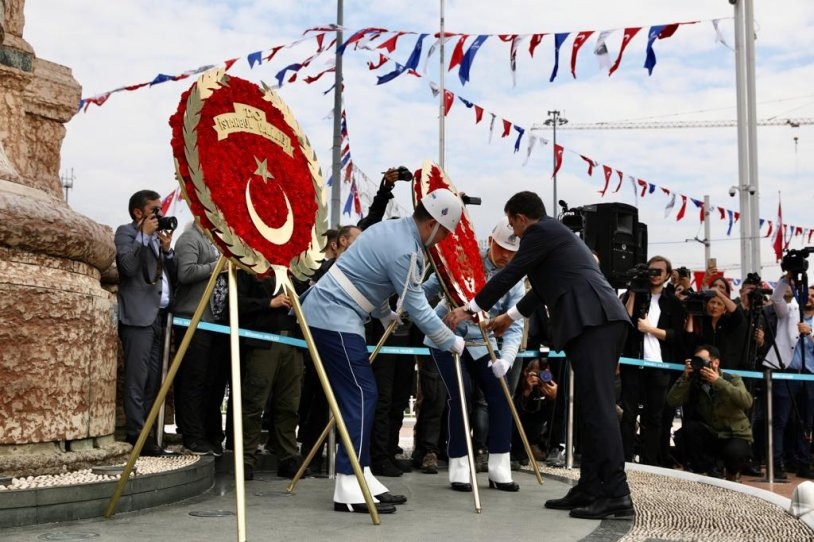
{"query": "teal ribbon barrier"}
(413, 351)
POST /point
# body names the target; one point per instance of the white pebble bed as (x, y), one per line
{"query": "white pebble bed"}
(144, 465)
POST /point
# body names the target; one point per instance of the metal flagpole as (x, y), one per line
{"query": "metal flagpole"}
(441, 117)
(237, 404)
(336, 165)
(707, 242)
(744, 161)
(751, 130)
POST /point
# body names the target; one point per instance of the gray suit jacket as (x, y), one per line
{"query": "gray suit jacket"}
(196, 258)
(139, 300)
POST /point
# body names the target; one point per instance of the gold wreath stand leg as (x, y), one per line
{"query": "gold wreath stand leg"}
(509, 400)
(329, 395)
(467, 435)
(237, 404)
(325, 432)
(165, 387)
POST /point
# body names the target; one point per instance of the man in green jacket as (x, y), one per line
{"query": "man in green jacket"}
(716, 424)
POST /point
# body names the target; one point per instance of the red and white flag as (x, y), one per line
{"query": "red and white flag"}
(779, 242)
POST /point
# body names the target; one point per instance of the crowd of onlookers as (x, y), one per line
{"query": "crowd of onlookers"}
(707, 329)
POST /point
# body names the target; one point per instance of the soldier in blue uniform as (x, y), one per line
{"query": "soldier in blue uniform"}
(388, 258)
(503, 244)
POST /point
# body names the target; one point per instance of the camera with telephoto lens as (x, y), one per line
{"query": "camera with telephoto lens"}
(696, 302)
(639, 278)
(697, 363)
(796, 260)
(165, 223)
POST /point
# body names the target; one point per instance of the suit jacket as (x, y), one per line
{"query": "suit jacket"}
(564, 275)
(196, 258)
(139, 300)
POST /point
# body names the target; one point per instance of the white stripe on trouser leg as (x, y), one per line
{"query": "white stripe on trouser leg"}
(376, 487)
(500, 468)
(459, 470)
(362, 400)
(347, 490)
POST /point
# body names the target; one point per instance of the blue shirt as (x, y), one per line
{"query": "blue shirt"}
(796, 360)
(470, 330)
(386, 259)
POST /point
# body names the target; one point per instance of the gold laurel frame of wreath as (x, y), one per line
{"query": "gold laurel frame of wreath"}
(303, 265)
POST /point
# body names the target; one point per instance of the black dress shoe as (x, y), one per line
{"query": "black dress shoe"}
(573, 499)
(288, 468)
(504, 486)
(752, 470)
(805, 472)
(405, 465)
(248, 472)
(151, 449)
(605, 507)
(386, 468)
(389, 498)
(382, 508)
(461, 486)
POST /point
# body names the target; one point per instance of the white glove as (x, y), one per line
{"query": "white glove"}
(458, 346)
(500, 367)
(390, 318)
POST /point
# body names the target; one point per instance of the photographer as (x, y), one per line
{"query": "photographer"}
(377, 208)
(534, 401)
(785, 355)
(659, 318)
(715, 319)
(721, 430)
(147, 269)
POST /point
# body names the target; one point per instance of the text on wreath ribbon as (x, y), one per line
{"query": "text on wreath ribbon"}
(252, 120)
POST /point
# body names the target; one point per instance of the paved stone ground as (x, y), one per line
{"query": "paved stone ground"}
(433, 512)
(670, 509)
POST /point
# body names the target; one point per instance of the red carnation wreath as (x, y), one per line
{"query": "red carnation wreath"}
(456, 259)
(249, 175)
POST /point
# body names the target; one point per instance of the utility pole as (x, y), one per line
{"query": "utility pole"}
(554, 121)
(67, 181)
(336, 166)
(441, 116)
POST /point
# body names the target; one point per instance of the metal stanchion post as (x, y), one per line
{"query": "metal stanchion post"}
(332, 453)
(767, 378)
(237, 405)
(165, 363)
(569, 431)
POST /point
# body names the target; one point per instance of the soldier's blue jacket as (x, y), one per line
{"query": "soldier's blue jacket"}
(470, 330)
(387, 258)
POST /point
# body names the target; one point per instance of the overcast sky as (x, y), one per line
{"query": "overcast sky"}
(124, 145)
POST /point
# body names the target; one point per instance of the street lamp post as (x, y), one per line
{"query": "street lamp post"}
(67, 180)
(555, 120)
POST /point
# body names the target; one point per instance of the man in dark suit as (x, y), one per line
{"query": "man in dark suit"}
(590, 324)
(147, 268)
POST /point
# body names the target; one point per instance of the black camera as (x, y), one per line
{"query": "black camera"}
(697, 364)
(404, 174)
(470, 200)
(683, 272)
(165, 223)
(796, 260)
(639, 278)
(545, 375)
(757, 297)
(696, 302)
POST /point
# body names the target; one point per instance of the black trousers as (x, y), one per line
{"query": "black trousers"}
(142, 370)
(647, 387)
(701, 449)
(200, 385)
(394, 378)
(593, 355)
(313, 411)
(429, 426)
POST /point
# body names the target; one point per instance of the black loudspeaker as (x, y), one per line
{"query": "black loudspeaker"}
(613, 231)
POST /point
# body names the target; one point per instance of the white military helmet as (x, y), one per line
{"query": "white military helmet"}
(802, 500)
(445, 207)
(503, 235)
